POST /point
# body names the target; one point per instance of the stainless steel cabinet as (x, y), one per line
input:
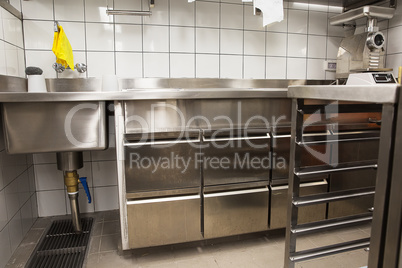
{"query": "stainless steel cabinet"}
(237, 156)
(364, 147)
(161, 221)
(279, 196)
(235, 212)
(162, 162)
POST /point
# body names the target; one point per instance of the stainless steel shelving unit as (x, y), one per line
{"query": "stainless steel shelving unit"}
(384, 232)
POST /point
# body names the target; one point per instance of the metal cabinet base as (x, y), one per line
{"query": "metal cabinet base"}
(279, 196)
(235, 212)
(162, 221)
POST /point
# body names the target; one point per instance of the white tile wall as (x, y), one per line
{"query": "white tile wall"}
(15, 228)
(207, 66)
(231, 16)
(207, 40)
(296, 68)
(51, 203)
(297, 45)
(254, 67)
(231, 42)
(99, 36)
(182, 13)
(128, 37)
(156, 64)
(218, 28)
(182, 65)
(70, 11)
(5, 246)
(124, 59)
(104, 173)
(254, 43)
(276, 68)
(106, 198)
(181, 40)
(231, 66)
(207, 14)
(12, 59)
(128, 5)
(17, 200)
(297, 21)
(40, 9)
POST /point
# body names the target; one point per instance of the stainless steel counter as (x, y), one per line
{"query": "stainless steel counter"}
(14, 89)
(145, 94)
(375, 94)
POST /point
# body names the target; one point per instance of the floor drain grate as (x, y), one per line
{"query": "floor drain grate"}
(61, 247)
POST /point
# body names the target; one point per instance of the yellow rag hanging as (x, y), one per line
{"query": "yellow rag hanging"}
(62, 49)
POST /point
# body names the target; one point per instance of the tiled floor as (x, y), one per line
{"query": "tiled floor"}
(256, 250)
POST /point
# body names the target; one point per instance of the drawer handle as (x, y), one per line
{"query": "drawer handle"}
(266, 136)
(163, 199)
(250, 191)
(161, 142)
(281, 136)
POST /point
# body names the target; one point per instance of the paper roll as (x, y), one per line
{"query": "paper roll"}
(110, 83)
(36, 83)
(272, 10)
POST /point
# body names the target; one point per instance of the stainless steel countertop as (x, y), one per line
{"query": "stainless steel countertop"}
(145, 94)
(385, 93)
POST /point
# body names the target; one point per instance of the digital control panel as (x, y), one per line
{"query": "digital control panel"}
(383, 78)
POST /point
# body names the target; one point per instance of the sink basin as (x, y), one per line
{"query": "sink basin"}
(40, 127)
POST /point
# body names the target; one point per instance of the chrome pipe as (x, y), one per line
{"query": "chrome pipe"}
(128, 12)
(75, 212)
(69, 161)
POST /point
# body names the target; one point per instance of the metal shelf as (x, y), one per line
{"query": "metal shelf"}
(297, 172)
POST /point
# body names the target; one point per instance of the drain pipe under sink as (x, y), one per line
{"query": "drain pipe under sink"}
(69, 162)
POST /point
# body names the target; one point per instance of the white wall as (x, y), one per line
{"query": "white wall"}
(18, 206)
(12, 61)
(221, 39)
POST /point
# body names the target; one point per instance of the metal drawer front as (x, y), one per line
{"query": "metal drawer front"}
(162, 221)
(152, 168)
(235, 212)
(236, 160)
(351, 180)
(281, 152)
(312, 213)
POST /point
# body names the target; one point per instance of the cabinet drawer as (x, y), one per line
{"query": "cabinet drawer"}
(235, 212)
(162, 221)
(306, 214)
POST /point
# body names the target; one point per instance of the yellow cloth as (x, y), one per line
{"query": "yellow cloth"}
(62, 49)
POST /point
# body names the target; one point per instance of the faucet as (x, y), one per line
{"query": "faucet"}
(81, 67)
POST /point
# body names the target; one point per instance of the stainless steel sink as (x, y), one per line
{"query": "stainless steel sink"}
(54, 126)
(67, 126)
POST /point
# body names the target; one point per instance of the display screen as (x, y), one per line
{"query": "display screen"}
(383, 78)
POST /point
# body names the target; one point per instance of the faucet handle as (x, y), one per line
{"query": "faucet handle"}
(81, 67)
(58, 67)
(84, 183)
